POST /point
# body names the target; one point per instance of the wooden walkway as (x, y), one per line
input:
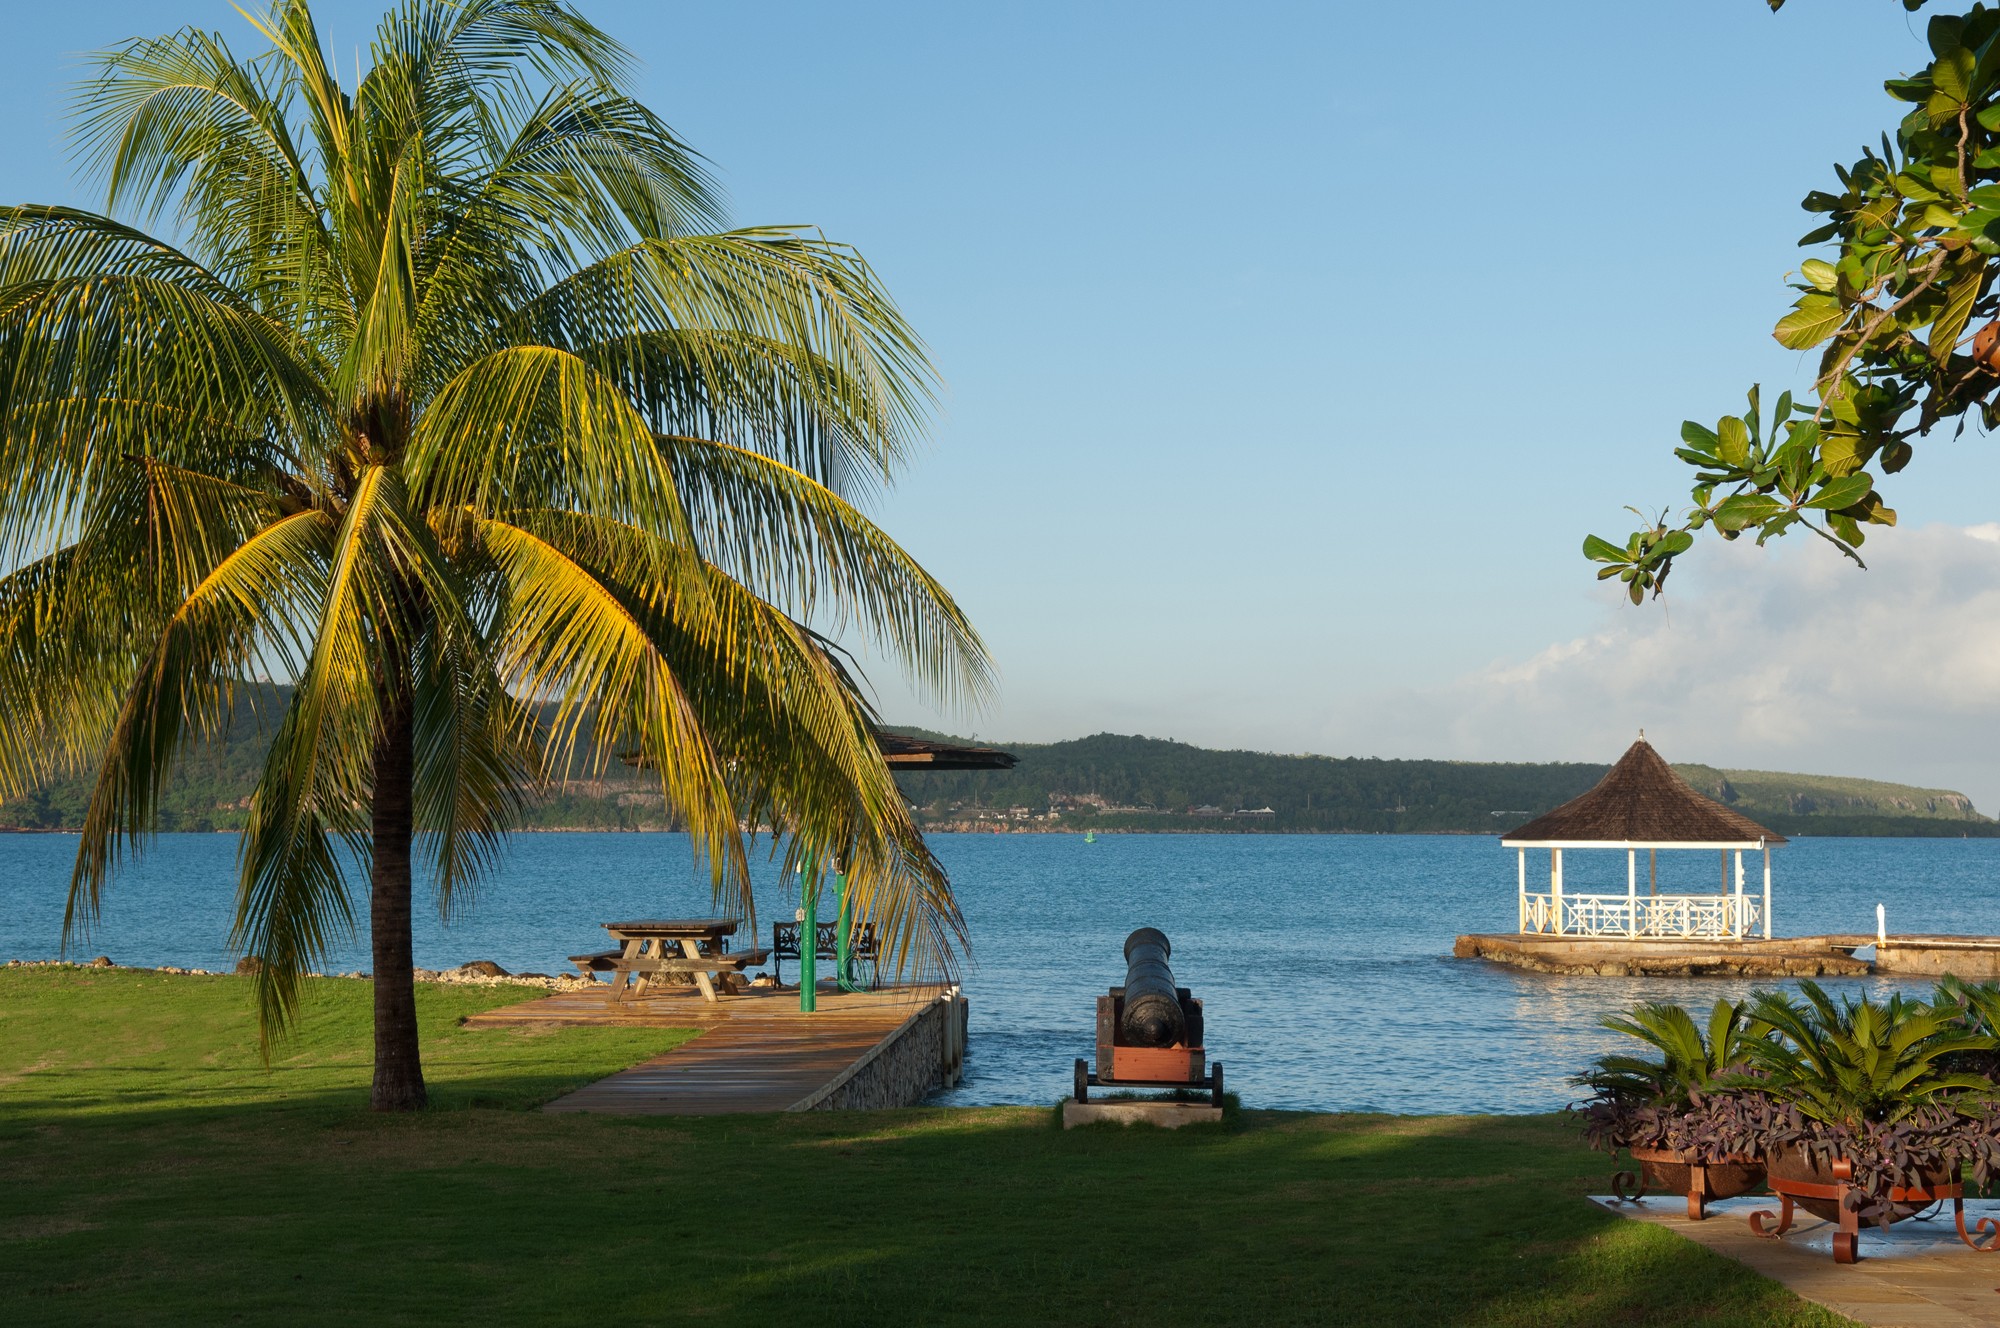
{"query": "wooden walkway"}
(757, 1052)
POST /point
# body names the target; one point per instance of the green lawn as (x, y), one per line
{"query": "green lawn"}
(151, 1171)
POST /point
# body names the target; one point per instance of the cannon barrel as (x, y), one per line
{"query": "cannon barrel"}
(1152, 1015)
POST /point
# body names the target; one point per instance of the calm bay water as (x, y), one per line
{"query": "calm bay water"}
(1324, 961)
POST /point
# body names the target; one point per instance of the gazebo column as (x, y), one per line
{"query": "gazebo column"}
(1767, 892)
(1738, 925)
(1523, 855)
(1631, 892)
(1556, 885)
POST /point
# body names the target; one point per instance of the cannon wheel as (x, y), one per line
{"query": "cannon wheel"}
(1082, 1081)
(1214, 1083)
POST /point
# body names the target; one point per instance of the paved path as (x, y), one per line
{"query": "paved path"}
(1915, 1275)
(757, 1052)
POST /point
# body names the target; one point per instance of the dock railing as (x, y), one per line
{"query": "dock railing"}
(1658, 917)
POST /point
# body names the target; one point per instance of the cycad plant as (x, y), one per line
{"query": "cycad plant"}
(1858, 1062)
(447, 399)
(1690, 1060)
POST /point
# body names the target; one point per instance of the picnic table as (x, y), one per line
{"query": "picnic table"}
(650, 946)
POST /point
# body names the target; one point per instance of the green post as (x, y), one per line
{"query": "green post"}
(843, 932)
(808, 934)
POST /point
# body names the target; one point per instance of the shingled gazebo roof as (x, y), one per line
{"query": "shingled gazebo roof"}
(1641, 802)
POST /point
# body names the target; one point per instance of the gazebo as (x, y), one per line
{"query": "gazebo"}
(1643, 805)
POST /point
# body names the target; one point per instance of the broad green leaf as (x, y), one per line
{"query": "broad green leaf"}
(1815, 318)
(1960, 296)
(1945, 35)
(1745, 510)
(1676, 542)
(1732, 441)
(1698, 436)
(1843, 492)
(1916, 188)
(1603, 551)
(1951, 74)
(1820, 273)
(1936, 214)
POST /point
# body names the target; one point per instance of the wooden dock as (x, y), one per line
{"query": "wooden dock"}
(758, 1052)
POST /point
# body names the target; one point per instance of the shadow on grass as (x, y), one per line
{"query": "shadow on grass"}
(924, 1216)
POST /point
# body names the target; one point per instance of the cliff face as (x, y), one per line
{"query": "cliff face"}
(1755, 792)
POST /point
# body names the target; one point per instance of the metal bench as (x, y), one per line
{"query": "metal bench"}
(860, 945)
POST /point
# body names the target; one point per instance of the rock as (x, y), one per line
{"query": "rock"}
(102, 961)
(249, 966)
(482, 968)
(357, 973)
(424, 974)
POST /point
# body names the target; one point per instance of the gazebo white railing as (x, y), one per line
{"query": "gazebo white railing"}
(1712, 917)
(1728, 915)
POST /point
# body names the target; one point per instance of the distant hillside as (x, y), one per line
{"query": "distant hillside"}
(1111, 783)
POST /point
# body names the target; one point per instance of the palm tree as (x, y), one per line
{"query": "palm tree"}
(449, 400)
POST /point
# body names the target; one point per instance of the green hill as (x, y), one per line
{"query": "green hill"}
(1112, 782)
(1109, 782)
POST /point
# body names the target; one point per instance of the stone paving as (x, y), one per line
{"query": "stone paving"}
(1916, 1275)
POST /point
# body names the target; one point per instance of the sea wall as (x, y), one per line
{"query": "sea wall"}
(1803, 957)
(925, 1053)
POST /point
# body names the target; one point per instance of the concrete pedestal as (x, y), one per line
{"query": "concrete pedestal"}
(1167, 1115)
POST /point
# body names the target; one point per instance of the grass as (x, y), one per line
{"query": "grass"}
(151, 1171)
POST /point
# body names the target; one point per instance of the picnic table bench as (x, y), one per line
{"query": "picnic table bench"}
(648, 946)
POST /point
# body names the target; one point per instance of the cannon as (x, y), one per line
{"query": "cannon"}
(1149, 1031)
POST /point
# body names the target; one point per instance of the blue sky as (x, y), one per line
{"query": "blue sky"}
(1292, 350)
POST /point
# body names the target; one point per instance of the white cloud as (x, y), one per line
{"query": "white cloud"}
(1785, 658)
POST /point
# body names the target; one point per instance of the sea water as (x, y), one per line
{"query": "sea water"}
(1324, 961)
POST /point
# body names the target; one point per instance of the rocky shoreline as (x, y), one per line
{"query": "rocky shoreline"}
(475, 973)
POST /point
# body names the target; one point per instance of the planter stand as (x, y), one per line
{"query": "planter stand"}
(1700, 1186)
(1847, 1239)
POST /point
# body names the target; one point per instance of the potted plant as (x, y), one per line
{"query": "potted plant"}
(1660, 1112)
(1866, 1110)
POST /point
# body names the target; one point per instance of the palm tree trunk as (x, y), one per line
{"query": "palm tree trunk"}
(399, 1071)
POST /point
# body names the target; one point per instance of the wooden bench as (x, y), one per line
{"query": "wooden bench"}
(860, 945)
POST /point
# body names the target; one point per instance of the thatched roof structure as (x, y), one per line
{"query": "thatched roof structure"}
(1642, 803)
(901, 752)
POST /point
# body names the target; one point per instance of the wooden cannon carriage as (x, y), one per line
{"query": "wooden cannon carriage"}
(1149, 1031)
